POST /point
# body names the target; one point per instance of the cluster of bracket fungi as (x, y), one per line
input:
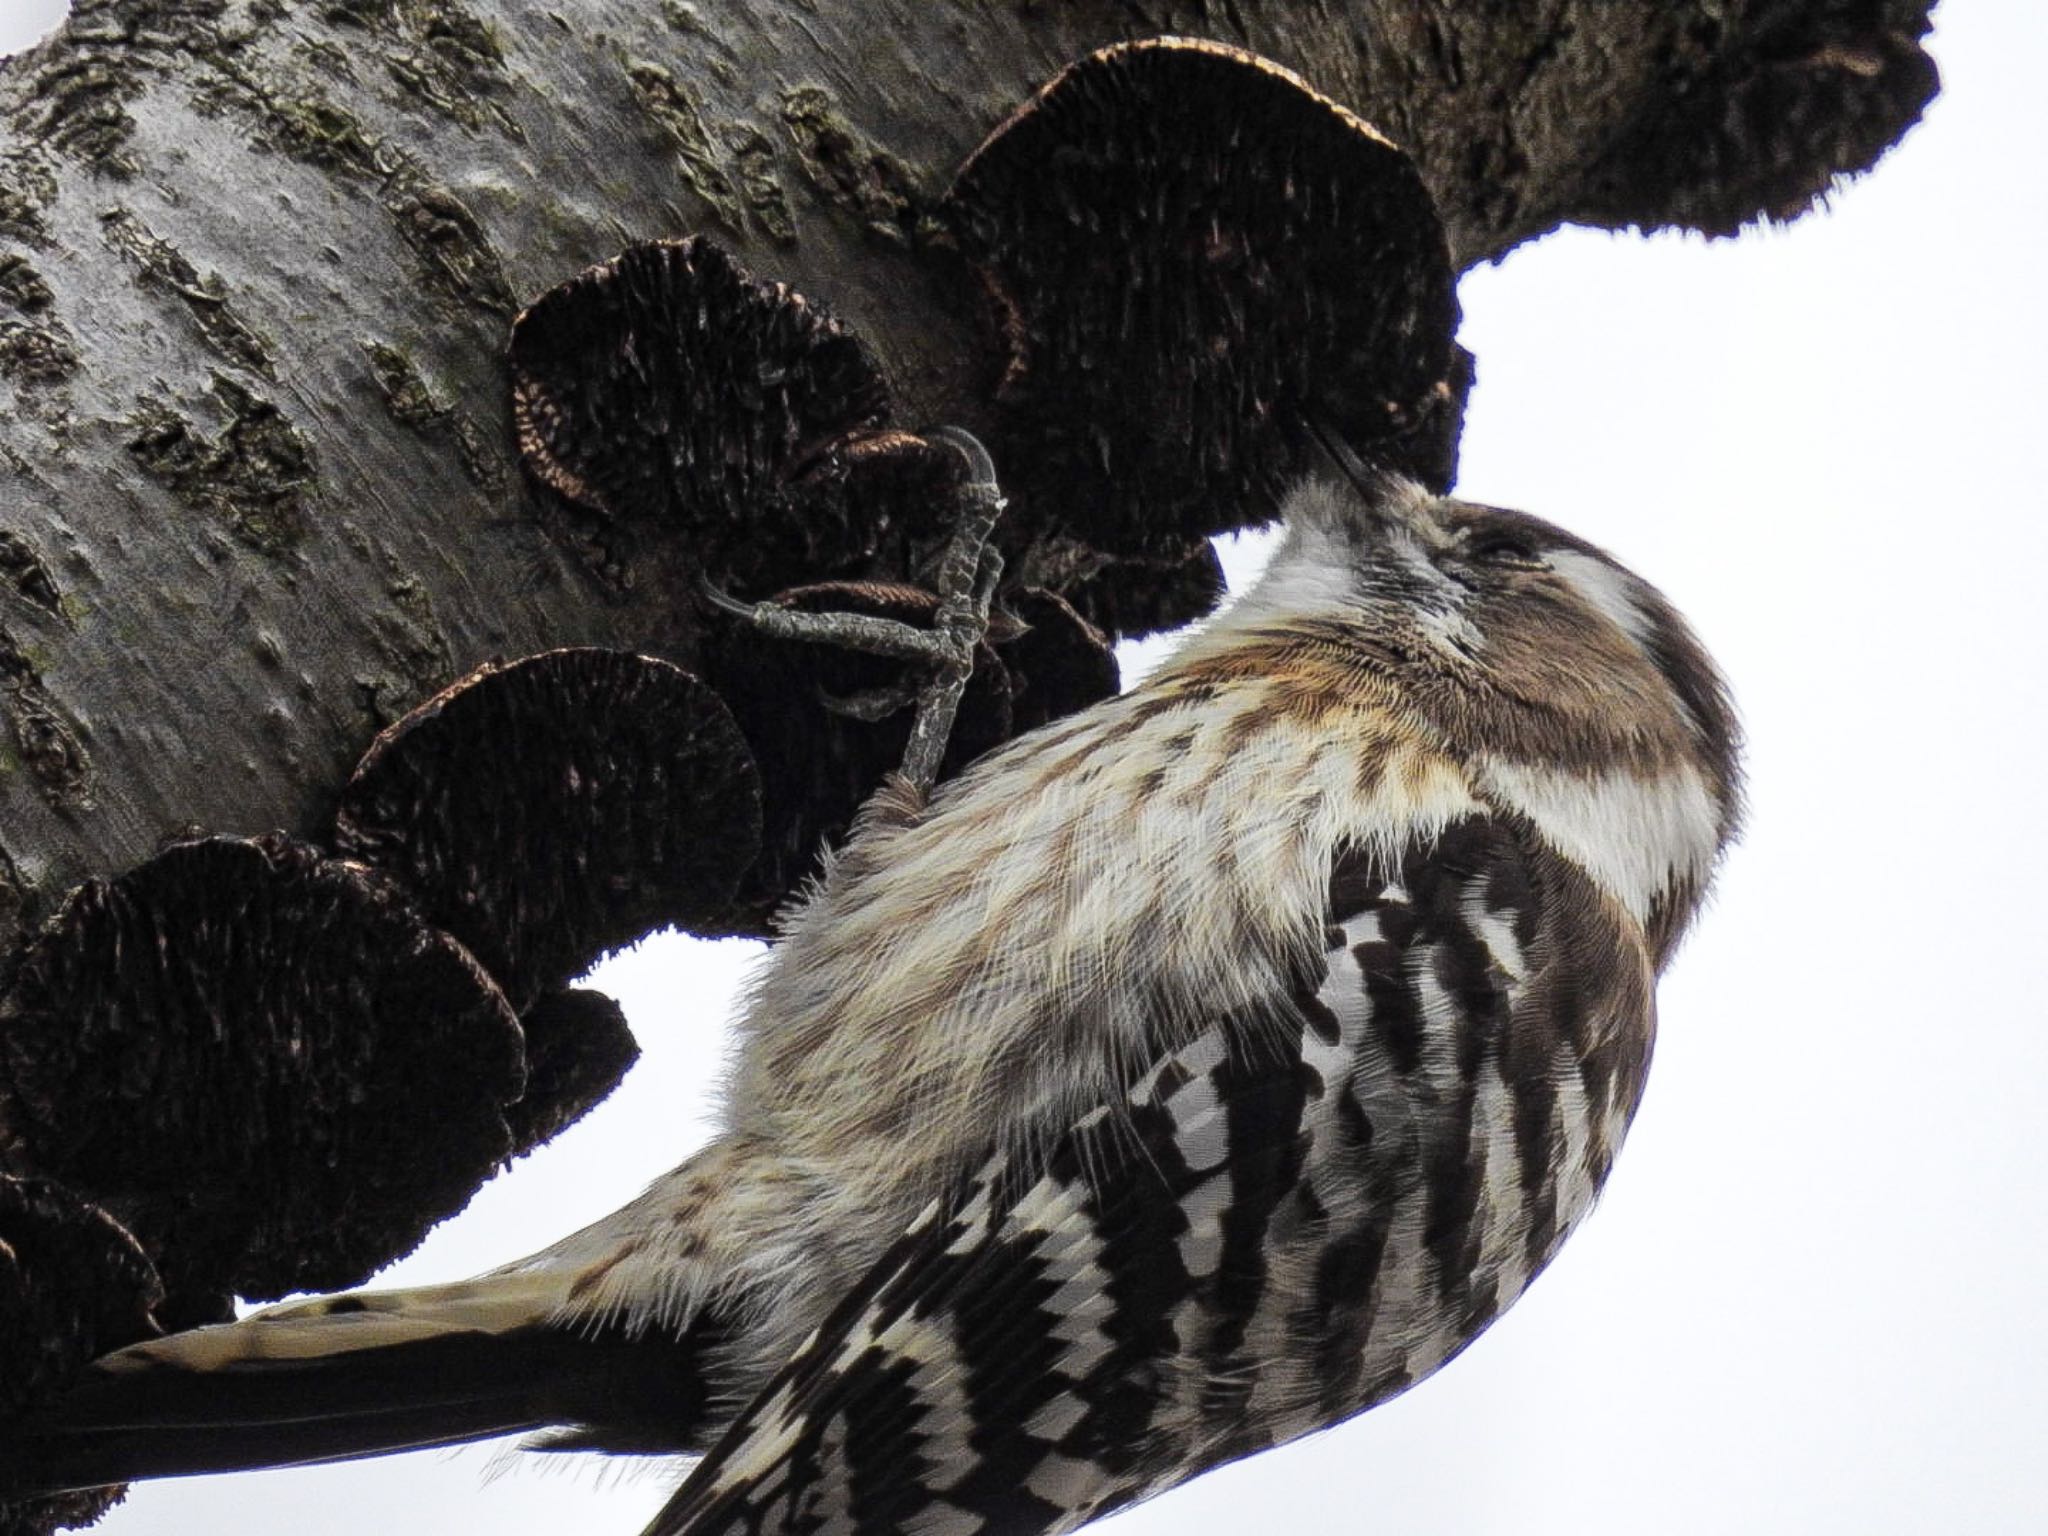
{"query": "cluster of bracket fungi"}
(253, 1066)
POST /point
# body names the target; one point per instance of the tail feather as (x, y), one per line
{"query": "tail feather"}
(361, 1375)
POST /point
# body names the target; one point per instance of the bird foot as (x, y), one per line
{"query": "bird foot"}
(966, 584)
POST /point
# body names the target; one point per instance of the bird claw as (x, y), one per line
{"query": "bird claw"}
(725, 602)
(969, 572)
(871, 704)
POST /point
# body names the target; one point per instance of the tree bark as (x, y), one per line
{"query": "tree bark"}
(258, 259)
(260, 497)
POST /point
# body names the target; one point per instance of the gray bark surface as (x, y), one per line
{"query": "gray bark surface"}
(258, 259)
(259, 498)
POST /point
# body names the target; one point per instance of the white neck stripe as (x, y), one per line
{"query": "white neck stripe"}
(1636, 837)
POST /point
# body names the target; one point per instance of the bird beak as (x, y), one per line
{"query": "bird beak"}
(1388, 497)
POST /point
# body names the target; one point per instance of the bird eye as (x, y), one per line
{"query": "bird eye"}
(1511, 550)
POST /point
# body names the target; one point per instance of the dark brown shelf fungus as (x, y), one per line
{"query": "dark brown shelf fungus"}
(880, 488)
(667, 393)
(261, 1060)
(548, 810)
(59, 1512)
(1057, 663)
(74, 1283)
(1136, 595)
(578, 1049)
(1430, 451)
(1190, 252)
(800, 707)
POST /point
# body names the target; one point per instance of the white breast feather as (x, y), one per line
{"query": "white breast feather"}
(1038, 897)
(1636, 837)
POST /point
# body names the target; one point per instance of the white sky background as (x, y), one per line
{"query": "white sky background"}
(1811, 1299)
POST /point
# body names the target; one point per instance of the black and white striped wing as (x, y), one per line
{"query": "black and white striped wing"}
(1276, 1228)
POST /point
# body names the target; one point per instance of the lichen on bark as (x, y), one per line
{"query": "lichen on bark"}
(259, 260)
(207, 206)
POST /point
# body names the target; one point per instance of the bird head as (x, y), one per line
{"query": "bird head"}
(1574, 689)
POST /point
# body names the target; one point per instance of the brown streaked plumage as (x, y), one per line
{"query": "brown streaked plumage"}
(1187, 1075)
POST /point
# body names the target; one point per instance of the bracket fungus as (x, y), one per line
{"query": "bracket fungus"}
(669, 393)
(1192, 254)
(883, 483)
(1057, 662)
(262, 1061)
(548, 810)
(578, 1048)
(1134, 595)
(74, 1283)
